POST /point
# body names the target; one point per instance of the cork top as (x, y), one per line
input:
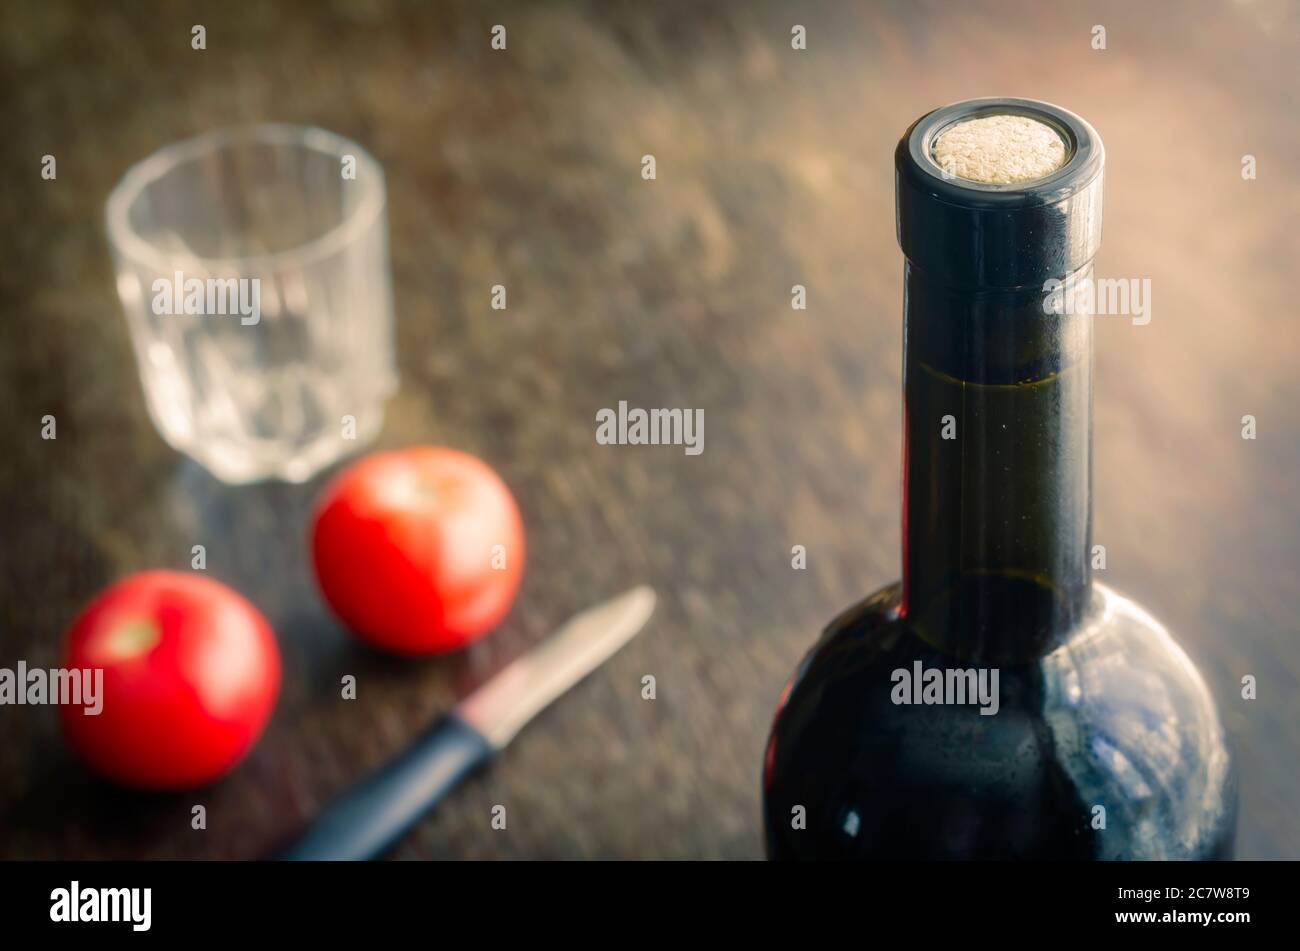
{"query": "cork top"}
(999, 150)
(1030, 209)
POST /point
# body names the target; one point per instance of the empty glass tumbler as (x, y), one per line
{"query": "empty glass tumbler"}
(253, 268)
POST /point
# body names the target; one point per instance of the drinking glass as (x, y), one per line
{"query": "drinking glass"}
(253, 268)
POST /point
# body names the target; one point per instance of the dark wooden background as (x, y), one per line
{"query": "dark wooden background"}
(522, 167)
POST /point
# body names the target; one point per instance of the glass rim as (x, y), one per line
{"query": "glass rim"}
(126, 240)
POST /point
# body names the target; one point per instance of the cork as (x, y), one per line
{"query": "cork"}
(1000, 150)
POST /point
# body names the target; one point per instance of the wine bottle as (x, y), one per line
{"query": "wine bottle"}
(998, 703)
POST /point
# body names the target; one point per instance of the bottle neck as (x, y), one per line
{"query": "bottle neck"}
(997, 468)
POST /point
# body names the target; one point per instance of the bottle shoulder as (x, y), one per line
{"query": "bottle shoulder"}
(1115, 717)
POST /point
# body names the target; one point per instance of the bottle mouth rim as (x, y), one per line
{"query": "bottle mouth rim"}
(1085, 155)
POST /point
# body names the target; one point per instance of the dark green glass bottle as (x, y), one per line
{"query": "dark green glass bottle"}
(1094, 737)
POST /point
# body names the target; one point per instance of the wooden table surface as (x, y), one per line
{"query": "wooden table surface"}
(522, 167)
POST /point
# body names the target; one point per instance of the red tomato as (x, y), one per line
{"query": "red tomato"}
(406, 549)
(191, 671)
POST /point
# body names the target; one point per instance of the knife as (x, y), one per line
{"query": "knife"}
(371, 816)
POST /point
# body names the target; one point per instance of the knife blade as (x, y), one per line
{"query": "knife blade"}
(501, 707)
(371, 816)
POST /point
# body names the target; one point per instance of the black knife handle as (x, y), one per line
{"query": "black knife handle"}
(371, 816)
